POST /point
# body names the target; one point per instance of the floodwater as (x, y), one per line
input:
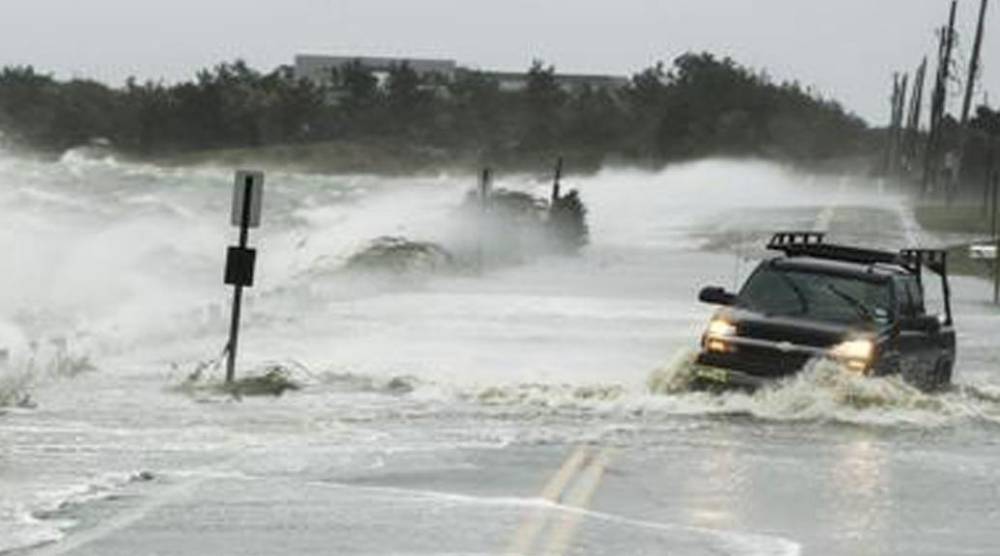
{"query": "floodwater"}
(502, 410)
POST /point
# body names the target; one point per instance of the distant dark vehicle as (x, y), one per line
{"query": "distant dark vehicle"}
(859, 307)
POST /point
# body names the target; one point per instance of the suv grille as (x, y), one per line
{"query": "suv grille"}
(783, 333)
(758, 361)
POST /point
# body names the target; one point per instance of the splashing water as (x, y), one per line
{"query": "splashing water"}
(116, 268)
(824, 391)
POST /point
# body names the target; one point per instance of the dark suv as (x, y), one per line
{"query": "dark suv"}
(859, 307)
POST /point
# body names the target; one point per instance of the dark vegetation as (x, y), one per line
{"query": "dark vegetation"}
(979, 159)
(981, 164)
(699, 106)
(958, 218)
(962, 224)
(968, 211)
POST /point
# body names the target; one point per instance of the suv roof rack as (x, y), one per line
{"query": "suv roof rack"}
(812, 244)
(783, 239)
(935, 260)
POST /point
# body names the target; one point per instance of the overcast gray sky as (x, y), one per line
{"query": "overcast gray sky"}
(846, 49)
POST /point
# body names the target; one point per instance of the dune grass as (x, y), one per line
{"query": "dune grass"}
(971, 223)
(957, 219)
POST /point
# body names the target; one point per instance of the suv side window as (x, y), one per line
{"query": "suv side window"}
(916, 295)
(910, 297)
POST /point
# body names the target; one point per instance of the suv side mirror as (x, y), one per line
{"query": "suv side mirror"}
(923, 323)
(716, 296)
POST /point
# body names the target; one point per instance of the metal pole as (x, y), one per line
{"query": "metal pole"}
(234, 323)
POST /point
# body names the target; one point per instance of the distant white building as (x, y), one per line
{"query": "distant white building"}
(319, 69)
(518, 81)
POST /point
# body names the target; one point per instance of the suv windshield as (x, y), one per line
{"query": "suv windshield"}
(818, 296)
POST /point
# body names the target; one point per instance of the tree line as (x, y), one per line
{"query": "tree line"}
(697, 106)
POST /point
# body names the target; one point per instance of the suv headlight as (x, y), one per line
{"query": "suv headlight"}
(719, 330)
(857, 354)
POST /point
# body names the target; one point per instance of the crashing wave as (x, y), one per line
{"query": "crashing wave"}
(400, 255)
(14, 389)
(515, 224)
(25, 363)
(97, 151)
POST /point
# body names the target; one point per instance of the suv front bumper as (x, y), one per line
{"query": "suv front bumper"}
(719, 379)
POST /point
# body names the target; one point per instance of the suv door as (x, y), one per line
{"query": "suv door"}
(917, 348)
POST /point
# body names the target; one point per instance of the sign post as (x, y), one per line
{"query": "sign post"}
(240, 260)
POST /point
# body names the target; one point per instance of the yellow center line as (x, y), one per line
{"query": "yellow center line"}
(579, 497)
(532, 526)
(557, 484)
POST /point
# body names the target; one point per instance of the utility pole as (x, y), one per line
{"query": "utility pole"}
(888, 164)
(970, 86)
(913, 118)
(939, 100)
(898, 127)
(891, 131)
(974, 63)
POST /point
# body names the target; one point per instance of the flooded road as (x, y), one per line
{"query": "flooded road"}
(506, 410)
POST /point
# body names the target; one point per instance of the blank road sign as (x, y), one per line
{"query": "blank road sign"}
(240, 263)
(256, 183)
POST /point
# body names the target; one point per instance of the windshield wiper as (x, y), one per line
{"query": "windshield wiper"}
(803, 299)
(863, 310)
